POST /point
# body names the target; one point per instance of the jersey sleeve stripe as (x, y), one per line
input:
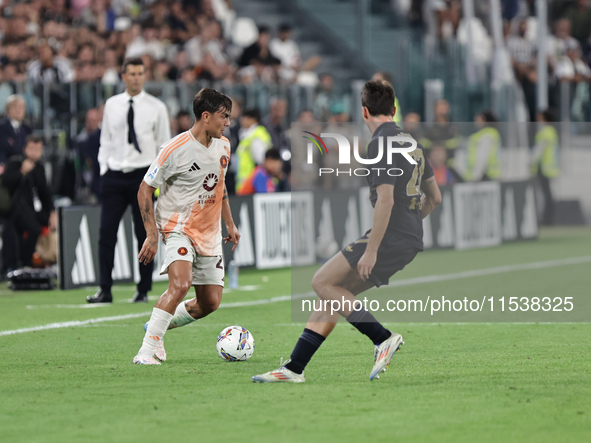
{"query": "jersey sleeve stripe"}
(225, 139)
(167, 151)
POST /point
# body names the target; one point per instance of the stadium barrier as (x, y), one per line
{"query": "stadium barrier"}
(302, 228)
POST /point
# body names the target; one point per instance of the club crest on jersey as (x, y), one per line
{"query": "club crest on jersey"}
(210, 182)
(182, 250)
(224, 160)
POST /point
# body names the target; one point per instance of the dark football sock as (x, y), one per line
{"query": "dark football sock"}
(307, 345)
(368, 325)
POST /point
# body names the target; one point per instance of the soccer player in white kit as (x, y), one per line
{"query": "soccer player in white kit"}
(190, 171)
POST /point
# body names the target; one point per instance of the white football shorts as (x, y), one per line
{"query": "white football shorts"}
(206, 270)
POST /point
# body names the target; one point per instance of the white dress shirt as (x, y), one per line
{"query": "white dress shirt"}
(152, 129)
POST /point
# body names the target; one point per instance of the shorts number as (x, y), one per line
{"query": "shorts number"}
(220, 265)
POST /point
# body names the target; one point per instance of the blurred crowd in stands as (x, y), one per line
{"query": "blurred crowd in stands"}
(568, 46)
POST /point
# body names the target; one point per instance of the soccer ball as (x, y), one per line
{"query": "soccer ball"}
(235, 343)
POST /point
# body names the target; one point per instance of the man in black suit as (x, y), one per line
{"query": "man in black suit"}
(32, 205)
(13, 131)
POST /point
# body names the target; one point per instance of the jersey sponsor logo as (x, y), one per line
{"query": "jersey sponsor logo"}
(224, 160)
(183, 251)
(210, 182)
(194, 167)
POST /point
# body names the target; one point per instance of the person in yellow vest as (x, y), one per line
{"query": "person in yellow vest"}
(544, 162)
(484, 146)
(255, 140)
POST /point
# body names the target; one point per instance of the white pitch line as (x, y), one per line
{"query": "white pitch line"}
(264, 301)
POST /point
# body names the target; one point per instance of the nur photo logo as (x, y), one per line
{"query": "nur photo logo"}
(402, 144)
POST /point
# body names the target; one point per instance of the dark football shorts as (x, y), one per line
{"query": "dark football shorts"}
(394, 254)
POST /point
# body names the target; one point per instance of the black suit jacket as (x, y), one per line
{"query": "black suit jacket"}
(22, 188)
(12, 143)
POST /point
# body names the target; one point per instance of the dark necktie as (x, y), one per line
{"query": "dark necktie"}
(131, 138)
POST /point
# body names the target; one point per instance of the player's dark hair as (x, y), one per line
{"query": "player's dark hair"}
(378, 97)
(273, 154)
(134, 61)
(212, 101)
(252, 113)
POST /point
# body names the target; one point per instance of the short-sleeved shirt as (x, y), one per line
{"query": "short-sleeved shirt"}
(405, 220)
(191, 181)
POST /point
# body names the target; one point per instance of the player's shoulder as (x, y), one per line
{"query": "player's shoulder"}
(174, 146)
(223, 142)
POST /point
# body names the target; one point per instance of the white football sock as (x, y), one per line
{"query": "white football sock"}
(181, 317)
(155, 332)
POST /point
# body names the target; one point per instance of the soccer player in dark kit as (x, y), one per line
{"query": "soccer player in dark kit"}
(400, 203)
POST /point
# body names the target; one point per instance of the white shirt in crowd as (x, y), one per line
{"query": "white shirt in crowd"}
(62, 71)
(152, 129)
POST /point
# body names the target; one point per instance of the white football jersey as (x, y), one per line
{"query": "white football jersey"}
(191, 181)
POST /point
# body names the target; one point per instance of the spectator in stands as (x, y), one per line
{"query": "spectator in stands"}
(438, 159)
(259, 50)
(544, 161)
(263, 178)
(559, 43)
(442, 131)
(412, 125)
(254, 142)
(32, 205)
(484, 162)
(13, 129)
(328, 102)
(183, 121)
(146, 43)
(579, 16)
(572, 68)
(87, 144)
(49, 68)
(523, 59)
(275, 122)
(286, 49)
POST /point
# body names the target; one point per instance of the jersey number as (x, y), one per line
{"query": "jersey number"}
(413, 187)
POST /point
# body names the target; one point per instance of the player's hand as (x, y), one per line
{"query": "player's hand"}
(148, 251)
(233, 235)
(366, 264)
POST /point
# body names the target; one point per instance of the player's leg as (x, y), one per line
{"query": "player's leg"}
(178, 264)
(337, 281)
(346, 282)
(208, 281)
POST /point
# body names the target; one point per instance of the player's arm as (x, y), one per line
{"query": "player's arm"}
(381, 218)
(233, 234)
(431, 196)
(150, 246)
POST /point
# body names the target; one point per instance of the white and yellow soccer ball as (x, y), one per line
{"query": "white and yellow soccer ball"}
(235, 343)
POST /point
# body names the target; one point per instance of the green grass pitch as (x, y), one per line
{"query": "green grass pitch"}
(451, 382)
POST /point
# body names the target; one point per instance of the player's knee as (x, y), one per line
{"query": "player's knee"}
(319, 284)
(179, 287)
(210, 305)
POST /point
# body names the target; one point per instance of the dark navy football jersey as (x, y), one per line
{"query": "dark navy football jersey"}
(405, 220)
